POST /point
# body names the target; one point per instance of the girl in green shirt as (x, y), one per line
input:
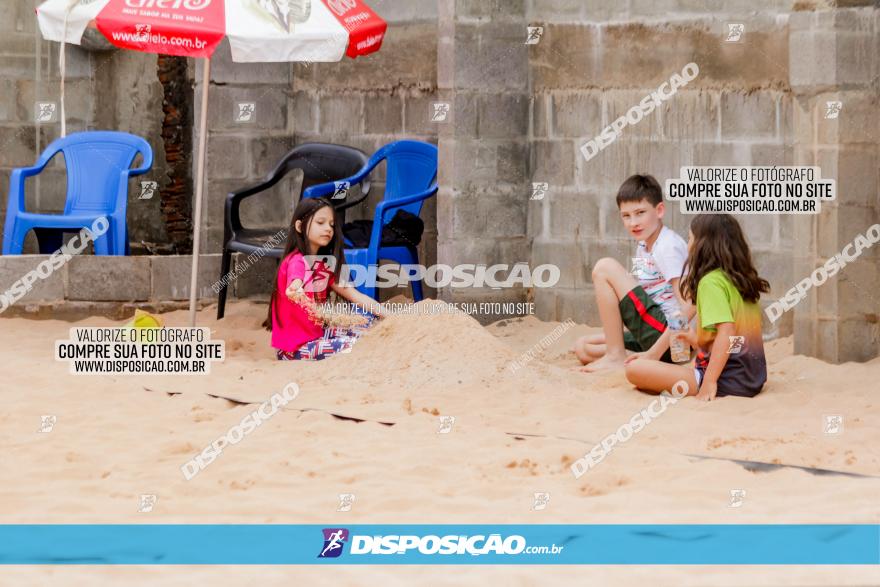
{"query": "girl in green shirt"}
(720, 276)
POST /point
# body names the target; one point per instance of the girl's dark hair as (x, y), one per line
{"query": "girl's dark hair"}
(298, 241)
(719, 243)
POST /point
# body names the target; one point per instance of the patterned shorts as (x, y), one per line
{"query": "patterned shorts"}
(336, 340)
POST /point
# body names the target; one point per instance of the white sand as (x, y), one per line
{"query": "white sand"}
(117, 437)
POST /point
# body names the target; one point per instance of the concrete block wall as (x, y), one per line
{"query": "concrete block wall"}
(365, 103)
(838, 321)
(113, 90)
(595, 61)
(484, 147)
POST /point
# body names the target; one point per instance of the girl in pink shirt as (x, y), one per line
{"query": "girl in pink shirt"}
(300, 328)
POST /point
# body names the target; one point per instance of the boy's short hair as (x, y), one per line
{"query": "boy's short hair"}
(640, 187)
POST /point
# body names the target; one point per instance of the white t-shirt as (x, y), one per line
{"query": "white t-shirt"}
(663, 263)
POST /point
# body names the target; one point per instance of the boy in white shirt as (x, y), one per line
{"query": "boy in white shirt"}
(645, 306)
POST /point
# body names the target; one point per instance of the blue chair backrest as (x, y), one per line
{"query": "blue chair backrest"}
(94, 161)
(411, 168)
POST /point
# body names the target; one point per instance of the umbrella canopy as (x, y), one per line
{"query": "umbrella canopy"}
(258, 31)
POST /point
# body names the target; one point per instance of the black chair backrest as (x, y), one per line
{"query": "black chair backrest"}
(323, 162)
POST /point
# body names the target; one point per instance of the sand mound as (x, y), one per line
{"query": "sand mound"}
(428, 361)
(434, 342)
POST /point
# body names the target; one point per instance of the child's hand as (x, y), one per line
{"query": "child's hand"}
(648, 354)
(634, 356)
(295, 294)
(707, 392)
(689, 336)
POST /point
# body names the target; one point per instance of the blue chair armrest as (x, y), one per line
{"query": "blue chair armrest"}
(16, 184)
(322, 189)
(145, 166)
(30, 171)
(387, 206)
(316, 191)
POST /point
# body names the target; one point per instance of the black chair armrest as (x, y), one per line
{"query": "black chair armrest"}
(231, 215)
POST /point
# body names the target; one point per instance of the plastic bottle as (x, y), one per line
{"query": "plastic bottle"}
(679, 347)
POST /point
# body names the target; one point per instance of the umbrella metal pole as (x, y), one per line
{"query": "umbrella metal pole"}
(200, 184)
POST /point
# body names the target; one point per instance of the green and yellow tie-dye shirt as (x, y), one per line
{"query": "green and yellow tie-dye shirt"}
(719, 301)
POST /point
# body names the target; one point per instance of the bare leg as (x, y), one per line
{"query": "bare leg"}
(657, 376)
(611, 282)
(589, 348)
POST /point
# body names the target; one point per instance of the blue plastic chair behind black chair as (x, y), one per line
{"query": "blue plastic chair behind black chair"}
(98, 169)
(411, 176)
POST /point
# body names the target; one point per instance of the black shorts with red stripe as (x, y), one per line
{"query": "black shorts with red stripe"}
(644, 319)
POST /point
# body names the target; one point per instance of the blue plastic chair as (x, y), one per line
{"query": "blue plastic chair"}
(411, 174)
(97, 165)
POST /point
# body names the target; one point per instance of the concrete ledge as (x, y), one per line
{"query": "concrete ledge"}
(108, 279)
(14, 268)
(114, 286)
(256, 279)
(171, 277)
(72, 311)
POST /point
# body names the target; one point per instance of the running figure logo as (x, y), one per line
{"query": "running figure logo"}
(142, 32)
(734, 32)
(346, 500)
(541, 501)
(539, 190)
(832, 109)
(148, 190)
(833, 424)
(147, 502)
(534, 35)
(639, 266)
(47, 423)
(736, 345)
(45, 112)
(340, 189)
(334, 540)
(439, 111)
(737, 496)
(446, 424)
(246, 112)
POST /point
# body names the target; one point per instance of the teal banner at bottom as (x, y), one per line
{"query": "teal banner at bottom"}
(553, 544)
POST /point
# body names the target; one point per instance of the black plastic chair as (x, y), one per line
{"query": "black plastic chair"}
(321, 163)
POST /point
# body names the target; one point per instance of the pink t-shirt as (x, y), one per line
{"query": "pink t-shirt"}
(295, 328)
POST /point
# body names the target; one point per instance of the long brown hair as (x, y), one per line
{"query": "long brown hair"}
(297, 240)
(719, 243)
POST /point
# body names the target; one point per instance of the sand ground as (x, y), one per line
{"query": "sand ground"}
(515, 433)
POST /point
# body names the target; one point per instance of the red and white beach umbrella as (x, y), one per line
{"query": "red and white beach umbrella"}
(258, 31)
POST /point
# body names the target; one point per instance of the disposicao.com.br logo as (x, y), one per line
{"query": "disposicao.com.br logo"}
(480, 544)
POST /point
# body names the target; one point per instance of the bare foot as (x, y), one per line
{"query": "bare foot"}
(605, 363)
(585, 361)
